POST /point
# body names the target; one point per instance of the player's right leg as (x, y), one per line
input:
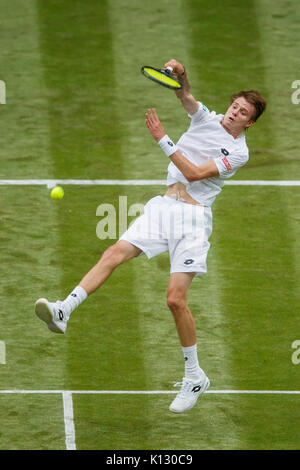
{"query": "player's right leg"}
(112, 257)
(56, 314)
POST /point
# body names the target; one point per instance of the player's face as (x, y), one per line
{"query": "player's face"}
(239, 115)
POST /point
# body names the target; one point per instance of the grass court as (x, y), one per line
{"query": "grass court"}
(75, 106)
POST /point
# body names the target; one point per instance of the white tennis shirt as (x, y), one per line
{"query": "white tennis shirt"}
(206, 139)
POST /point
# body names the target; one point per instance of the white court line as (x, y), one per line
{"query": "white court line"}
(145, 392)
(52, 182)
(69, 421)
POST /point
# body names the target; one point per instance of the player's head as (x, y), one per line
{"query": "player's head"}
(243, 112)
(253, 98)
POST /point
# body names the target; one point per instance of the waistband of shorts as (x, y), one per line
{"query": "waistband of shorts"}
(171, 199)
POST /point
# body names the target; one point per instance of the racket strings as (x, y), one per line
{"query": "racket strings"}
(162, 77)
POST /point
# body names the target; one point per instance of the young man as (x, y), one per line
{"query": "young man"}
(211, 150)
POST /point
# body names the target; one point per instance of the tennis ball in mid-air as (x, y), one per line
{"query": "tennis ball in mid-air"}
(57, 192)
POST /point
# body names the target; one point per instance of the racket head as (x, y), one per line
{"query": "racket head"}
(163, 77)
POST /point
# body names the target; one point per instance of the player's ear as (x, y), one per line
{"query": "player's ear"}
(249, 124)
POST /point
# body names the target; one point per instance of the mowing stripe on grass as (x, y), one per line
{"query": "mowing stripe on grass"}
(26, 246)
(87, 138)
(278, 54)
(214, 83)
(133, 48)
(25, 118)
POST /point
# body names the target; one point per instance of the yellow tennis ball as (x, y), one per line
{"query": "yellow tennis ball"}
(57, 192)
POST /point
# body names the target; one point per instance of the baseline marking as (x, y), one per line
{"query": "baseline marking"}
(53, 182)
(143, 392)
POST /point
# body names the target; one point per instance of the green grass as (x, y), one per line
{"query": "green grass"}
(32, 422)
(218, 423)
(75, 109)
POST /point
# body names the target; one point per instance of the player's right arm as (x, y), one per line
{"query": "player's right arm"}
(189, 103)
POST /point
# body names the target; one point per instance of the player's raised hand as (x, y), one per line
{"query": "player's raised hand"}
(154, 125)
(178, 68)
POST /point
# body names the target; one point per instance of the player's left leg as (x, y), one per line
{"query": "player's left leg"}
(178, 288)
(194, 382)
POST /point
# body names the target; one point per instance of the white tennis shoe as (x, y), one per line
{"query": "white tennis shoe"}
(188, 395)
(52, 314)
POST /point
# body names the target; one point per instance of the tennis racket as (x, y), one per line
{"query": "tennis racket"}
(162, 76)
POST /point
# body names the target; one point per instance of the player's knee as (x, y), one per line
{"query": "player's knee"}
(176, 301)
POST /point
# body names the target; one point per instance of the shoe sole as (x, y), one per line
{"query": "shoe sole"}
(44, 313)
(203, 390)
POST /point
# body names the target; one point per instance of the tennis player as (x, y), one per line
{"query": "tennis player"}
(211, 150)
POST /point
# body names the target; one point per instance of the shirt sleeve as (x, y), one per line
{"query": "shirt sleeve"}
(229, 164)
(201, 114)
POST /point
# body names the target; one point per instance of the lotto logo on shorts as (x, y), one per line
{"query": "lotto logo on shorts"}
(226, 163)
(188, 261)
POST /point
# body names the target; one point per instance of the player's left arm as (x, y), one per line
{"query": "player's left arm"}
(190, 171)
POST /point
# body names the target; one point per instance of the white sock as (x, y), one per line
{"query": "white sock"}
(73, 300)
(192, 369)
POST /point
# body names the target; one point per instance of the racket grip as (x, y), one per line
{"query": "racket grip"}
(169, 69)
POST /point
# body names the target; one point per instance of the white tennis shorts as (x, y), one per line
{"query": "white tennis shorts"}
(175, 226)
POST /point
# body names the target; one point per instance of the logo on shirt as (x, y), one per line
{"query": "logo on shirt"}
(226, 163)
(224, 160)
(225, 152)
